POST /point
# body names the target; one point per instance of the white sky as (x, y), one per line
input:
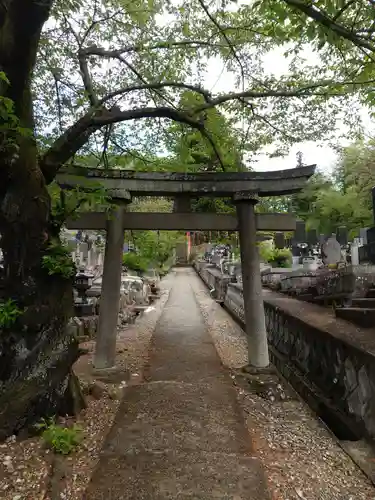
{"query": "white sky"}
(219, 80)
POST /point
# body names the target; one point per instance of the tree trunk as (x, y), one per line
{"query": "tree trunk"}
(36, 350)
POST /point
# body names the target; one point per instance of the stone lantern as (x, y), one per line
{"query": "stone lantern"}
(82, 304)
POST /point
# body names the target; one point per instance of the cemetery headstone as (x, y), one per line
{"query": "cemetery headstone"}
(363, 235)
(312, 237)
(331, 251)
(371, 235)
(279, 240)
(83, 247)
(100, 258)
(354, 252)
(300, 232)
(342, 235)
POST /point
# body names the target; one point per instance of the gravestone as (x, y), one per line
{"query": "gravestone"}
(300, 232)
(100, 258)
(312, 237)
(322, 239)
(371, 235)
(331, 251)
(363, 235)
(299, 245)
(279, 240)
(342, 235)
(84, 250)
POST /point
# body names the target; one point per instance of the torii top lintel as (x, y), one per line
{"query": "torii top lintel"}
(221, 184)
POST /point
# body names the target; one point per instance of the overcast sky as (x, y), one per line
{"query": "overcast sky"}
(219, 80)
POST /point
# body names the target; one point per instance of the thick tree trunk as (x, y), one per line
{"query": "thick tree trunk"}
(36, 351)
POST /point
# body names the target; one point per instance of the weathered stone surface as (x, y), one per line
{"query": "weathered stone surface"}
(204, 184)
(326, 360)
(352, 281)
(84, 328)
(234, 301)
(97, 389)
(90, 326)
(299, 282)
(272, 278)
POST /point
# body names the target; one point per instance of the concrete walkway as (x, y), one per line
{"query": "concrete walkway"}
(181, 435)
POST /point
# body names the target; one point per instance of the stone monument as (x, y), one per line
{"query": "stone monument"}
(331, 251)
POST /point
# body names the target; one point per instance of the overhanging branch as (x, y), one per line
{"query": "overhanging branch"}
(94, 50)
(330, 23)
(78, 134)
(158, 85)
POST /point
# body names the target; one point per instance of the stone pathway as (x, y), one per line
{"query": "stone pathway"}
(180, 435)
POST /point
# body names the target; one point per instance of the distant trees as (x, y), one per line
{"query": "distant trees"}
(344, 198)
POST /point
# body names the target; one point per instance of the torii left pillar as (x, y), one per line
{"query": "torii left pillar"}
(255, 325)
(105, 351)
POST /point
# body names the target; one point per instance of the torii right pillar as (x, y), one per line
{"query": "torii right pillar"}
(255, 325)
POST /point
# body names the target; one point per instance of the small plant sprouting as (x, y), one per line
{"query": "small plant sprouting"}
(62, 440)
(9, 312)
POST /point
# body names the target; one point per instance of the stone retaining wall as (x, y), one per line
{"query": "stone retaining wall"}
(214, 279)
(330, 362)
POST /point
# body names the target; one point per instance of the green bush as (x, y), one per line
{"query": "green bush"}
(135, 262)
(265, 251)
(281, 257)
(277, 257)
(62, 440)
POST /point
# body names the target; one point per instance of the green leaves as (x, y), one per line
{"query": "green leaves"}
(128, 44)
(9, 312)
(58, 261)
(344, 199)
(67, 203)
(62, 440)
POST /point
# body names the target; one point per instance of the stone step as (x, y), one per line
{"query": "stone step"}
(367, 303)
(363, 317)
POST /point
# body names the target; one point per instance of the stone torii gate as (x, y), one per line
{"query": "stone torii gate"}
(244, 188)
